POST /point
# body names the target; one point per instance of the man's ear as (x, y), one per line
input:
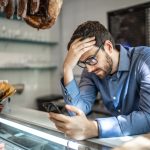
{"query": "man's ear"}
(108, 46)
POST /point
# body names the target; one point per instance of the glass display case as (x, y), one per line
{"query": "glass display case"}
(19, 135)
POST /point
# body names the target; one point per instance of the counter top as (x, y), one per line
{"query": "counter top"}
(41, 119)
(32, 116)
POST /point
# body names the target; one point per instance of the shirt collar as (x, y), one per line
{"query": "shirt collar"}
(124, 61)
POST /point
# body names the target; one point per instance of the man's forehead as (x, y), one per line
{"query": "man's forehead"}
(89, 53)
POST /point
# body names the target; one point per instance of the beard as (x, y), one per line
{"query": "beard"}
(109, 62)
(106, 70)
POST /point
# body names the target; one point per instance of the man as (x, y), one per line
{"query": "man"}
(120, 74)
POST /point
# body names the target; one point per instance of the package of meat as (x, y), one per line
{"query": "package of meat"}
(10, 9)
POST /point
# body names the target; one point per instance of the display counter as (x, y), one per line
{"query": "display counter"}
(28, 129)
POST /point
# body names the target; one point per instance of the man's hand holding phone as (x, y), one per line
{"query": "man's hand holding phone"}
(76, 127)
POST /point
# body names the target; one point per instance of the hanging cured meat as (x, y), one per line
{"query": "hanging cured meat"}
(40, 14)
(10, 9)
(3, 3)
(34, 6)
(21, 8)
(46, 16)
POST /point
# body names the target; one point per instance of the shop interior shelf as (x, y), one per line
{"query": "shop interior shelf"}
(51, 43)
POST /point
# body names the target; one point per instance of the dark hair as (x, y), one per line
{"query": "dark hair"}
(90, 29)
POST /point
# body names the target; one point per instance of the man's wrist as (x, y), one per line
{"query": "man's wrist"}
(95, 128)
(67, 69)
(67, 66)
(68, 75)
(93, 132)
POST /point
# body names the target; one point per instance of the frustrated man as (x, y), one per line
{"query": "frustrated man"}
(120, 74)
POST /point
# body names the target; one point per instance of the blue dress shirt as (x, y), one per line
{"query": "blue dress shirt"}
(126, 94)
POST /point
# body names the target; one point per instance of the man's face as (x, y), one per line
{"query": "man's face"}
(104, 62)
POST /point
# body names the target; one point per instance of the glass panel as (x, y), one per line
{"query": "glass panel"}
(14, 138)
(17, 136)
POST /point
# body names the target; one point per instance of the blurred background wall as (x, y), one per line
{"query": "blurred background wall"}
(35, 59)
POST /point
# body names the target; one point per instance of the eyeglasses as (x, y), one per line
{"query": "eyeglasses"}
(90, 60)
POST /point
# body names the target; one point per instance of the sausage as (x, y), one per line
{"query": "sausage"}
(34, 6)
(10, 8)
(21, 6)
(3, 3)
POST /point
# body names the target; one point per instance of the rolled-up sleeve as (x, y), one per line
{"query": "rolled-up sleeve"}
(82, 95)
(132, 124)
(70, 92)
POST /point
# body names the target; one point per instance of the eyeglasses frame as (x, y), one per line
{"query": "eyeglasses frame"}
(94, 57)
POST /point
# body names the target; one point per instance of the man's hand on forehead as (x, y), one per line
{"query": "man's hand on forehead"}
(84, 40)
(77, 49)
(83, 45)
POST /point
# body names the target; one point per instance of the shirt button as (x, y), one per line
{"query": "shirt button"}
(65, 92)
(114, 98)
(69, 98)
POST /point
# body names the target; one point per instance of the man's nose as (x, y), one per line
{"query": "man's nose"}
(90, 68)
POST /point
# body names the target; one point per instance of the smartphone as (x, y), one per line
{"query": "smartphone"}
(51, 107)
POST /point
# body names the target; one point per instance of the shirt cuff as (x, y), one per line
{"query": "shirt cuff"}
(72, 88)
(108, 127)
(70, 91)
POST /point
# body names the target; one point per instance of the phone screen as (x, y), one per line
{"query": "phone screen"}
(51, 107)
